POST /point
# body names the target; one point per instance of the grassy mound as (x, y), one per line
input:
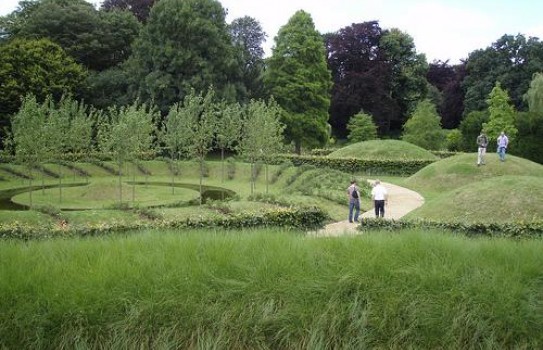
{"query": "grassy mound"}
(383, 149)
(460, 170)
(499, 199)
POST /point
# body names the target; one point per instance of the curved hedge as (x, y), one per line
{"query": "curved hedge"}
(404, 167)
(509, 229)
(305, 218)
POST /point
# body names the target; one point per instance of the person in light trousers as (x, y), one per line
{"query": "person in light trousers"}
(503, 141)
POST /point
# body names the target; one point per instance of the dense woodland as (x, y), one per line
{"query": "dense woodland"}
(156, 52)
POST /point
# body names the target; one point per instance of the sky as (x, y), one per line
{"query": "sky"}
(442, 29)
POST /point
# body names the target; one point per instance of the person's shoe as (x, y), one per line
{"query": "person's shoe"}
(350, 221)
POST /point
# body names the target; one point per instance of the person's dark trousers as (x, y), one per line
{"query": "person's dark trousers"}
(354, 206)
(379, 208)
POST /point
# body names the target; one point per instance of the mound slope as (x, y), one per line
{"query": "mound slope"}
(460, 170)
(499, 199)
(383, 149)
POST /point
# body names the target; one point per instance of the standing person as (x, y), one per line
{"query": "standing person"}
(503, 141)
(482, 142)
(354, 201)
(379, 195)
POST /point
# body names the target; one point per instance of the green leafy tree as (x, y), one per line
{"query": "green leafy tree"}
(140, 8)
(501, 114)
(124, 133)
(248, 37)
(228, 128)
(471, 127)
(96, 39)
(529, 140)
(511, 60)
(28, 136)
(37, 67)
(423, 128)
(298, 78)
(361, 128)
(175, 134)
(185, 45)
(454, 140)
(262, 133)
(201, 118)
(409, 69)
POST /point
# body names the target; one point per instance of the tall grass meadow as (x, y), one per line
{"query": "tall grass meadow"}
(271, 289)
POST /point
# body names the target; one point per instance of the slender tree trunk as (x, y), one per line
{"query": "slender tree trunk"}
(134, 168)
(266, 178)
(42, 183)
(30, 185)
(60, 183)
(120, 184)
(222, 164)
(201, 177)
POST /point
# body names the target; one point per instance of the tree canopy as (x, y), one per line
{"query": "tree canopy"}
(185, 45)
(38, 67)
(298, 78)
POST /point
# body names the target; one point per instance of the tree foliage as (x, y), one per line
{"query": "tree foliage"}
(185, 45)
(511, 60)
(37, 67)
(262, 133)
(248, 37)
(501, 115)
(374, 70)
(448, 81)
(140, 8)
(298, 78)
(423, 128)
(471, 127)
(529, 141)
(362, 128)
(409, 69)
(98, 40)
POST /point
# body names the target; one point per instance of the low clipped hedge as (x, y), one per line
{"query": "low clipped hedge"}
(307, 218)
(509, 229)
(369, 166)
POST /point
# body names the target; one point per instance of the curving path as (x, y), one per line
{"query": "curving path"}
(400, 202)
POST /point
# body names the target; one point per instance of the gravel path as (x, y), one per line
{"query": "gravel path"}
(400, 202)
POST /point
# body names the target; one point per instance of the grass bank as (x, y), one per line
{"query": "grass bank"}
(271, 289)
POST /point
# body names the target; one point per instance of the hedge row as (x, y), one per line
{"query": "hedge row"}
(513, 229)
(308, 218)
(350, 165)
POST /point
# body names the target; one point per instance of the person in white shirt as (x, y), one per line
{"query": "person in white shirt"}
(503, 141)
(379, 196)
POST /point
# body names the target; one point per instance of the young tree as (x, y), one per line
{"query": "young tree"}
(124, 133)
(228, 128)
(175, 135)
(362, 128)
(501, 114)
(28, 136)
(298, 78)
(201, 117)
(262, 133)
(423, 127)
